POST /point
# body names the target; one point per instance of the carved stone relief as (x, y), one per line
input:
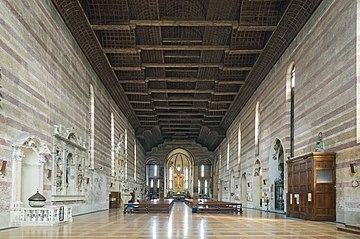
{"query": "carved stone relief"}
(68, 163)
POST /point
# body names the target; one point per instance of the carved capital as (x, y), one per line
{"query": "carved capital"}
(17, 154)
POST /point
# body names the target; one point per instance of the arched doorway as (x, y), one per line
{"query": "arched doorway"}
(257, 185)
(179, 173)
(276, 175)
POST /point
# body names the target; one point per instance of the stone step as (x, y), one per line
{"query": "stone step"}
(355, 229)
(353, 226)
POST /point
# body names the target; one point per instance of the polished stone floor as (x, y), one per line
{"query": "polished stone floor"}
(181, 223)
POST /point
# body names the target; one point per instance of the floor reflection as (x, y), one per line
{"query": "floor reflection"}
(181, 223)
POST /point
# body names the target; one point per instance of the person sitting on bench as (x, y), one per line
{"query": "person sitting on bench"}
(136, 205)
(129, 207)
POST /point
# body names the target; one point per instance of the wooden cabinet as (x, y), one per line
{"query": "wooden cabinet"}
(115, 200)
(311, 186)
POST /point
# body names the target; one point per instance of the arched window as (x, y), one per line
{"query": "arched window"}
(239, 144)
(292, 113)
(186, 176)
(112, 144)
(151, 183)
(220, 163)
(158, 183)
(92, 126)
(228, 156)
(205, 186)
(171, 175)
(202, 170)
(199, 185)
(257, 128)
(126, 153)
(155, 170)
(135, 159)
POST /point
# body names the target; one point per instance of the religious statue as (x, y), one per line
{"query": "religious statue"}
(319, 144)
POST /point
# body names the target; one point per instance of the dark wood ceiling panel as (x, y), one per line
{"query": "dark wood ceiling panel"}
(183, 69)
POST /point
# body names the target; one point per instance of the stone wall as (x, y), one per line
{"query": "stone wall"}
(45, 81)
(325, 101)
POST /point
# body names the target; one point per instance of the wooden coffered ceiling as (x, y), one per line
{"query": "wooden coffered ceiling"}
(183, 69)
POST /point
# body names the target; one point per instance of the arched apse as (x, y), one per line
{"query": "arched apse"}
(179, 173)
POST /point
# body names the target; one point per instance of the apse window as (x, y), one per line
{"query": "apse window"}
(202, 170)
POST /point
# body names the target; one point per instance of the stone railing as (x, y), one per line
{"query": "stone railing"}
(26, 216)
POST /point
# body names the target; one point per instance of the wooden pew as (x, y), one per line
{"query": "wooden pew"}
(212, 206)
(152, 206)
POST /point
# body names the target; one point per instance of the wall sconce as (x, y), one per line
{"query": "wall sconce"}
(264, 181)
(352, 167)
(248, 185)
(111, 185)
(236, 186)
(224, 188)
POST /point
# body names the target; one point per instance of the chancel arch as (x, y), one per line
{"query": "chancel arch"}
(179, 170)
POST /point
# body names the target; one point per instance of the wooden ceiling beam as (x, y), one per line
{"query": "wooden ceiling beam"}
(233, 82)
(136, 93)
(178, 79)
(146, 116)
(132, 81)
(121, 50)
(139, 102)
(185, 23)
(143, 109)
(181, 91)
(179, 99)
(179, 114)
(253, 28)
(189, 70)
(181, 56)
(220, 102)
(137, 49)
(179, 108)
(226, 93)
(166, 124)
(181, 40)
(183, 48)
(245, 68)
(111, 27)
(180, 128)
(181, 23)
(179, 119)
(244, 51)
(127, 68)
(182, 65)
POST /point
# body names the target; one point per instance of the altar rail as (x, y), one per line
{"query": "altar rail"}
(27, 216)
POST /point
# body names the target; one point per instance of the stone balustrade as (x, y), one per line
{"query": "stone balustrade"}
(26, 216)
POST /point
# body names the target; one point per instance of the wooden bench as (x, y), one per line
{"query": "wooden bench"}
(211, 206)
(152, 206)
